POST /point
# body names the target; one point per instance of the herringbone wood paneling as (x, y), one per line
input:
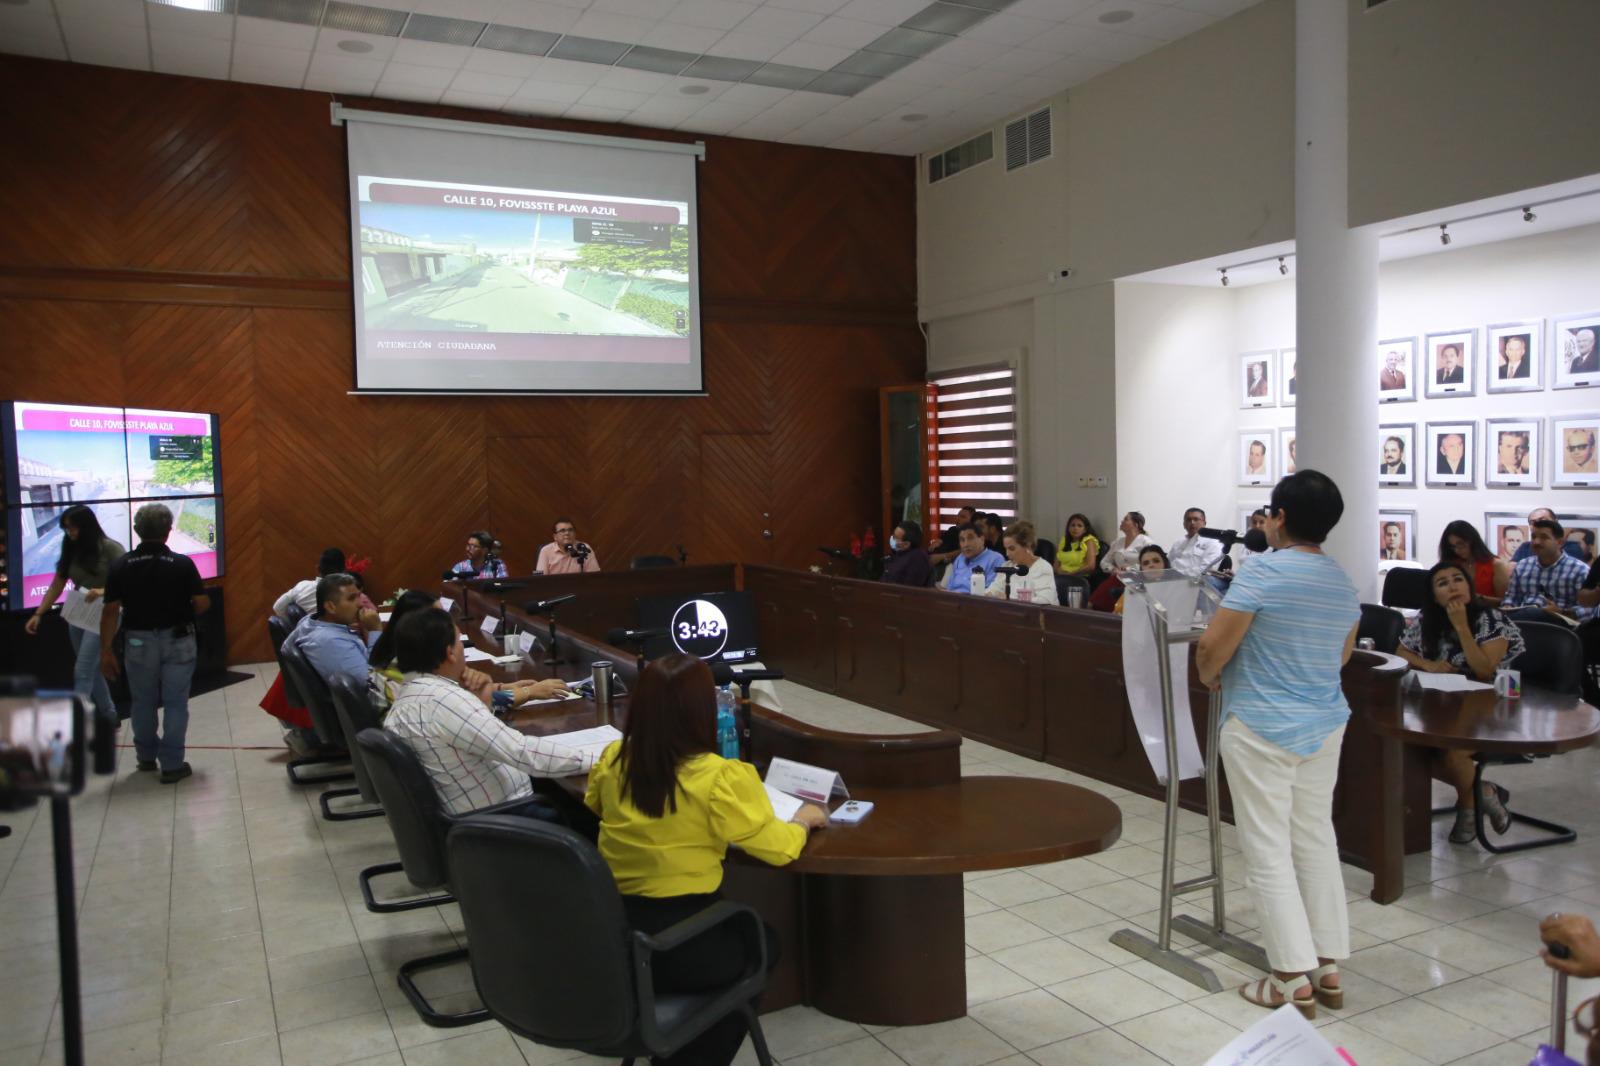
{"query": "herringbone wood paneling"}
(808, 273)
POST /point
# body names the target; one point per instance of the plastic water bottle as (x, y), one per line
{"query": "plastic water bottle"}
(727, 727)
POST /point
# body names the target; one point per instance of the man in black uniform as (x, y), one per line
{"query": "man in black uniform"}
(159, 593)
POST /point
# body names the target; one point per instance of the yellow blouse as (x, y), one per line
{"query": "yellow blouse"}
(1069, 558)
(720, 802)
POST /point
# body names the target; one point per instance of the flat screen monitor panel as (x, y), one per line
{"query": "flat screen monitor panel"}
(714, 626)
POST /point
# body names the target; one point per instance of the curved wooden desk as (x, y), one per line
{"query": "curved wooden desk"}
(1540, 723)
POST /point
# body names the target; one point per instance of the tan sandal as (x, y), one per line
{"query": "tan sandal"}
(1259, 993)
(1332, 998)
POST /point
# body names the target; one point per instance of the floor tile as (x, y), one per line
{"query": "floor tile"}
(1032, 1019)
(799, 1030)
(1049, 961)
(1410, 971)
(1014, 887)
(962, 1042)
(345, 1040)
(986, 980)
(1181, 1034)
(866, 1051)
(1001, 929)
(1112, 996)
(1492, 1005)
(1091, 1049)
(1426, 1031)
(1466, 951)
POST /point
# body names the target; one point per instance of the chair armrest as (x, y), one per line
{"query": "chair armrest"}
(692, 926)
(646, 945)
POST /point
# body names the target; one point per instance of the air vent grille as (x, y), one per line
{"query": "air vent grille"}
(962, 157)
(1028, 139)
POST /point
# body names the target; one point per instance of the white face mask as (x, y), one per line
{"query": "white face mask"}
(894, 543)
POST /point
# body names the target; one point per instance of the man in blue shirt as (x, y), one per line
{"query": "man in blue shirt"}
(1549, 581)
(326, 638)
(1525, 550)
(973, 558)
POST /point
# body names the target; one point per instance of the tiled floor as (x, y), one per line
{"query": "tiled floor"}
(221, 924)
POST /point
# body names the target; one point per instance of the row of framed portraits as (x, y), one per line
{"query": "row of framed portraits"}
(1511, 358)
(1447, 455)
(1503, 531)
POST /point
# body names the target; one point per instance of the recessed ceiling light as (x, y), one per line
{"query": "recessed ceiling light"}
(695, 90)
(915, 116)
(355, 47)
(1111, 18)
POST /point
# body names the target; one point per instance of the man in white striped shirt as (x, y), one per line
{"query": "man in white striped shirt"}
(474, 759)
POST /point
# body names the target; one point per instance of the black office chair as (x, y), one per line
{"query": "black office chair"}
(325, 721)
(1553, 659)
(278, 632)
(554, 958)
(1406, 586)
(295, 613)
(646, 562)
(1383, 625)
(1589, 639)
(1045, 549)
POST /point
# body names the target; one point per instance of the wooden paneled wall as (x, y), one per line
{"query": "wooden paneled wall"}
(181, 243)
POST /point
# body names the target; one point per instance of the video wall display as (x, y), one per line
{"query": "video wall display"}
(114, 460)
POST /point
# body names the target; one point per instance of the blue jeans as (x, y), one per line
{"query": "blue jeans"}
(87, 680)
(160, 667)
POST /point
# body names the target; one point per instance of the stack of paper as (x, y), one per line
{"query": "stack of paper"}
(590, 742)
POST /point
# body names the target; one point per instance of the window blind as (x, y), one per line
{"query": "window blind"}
(972, 441)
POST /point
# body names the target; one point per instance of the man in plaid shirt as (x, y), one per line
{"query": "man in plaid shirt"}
(474, 759)
(1548, 581)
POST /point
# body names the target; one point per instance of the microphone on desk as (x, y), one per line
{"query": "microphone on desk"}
(546, 606)
(498, 585)
(453, 574)
(621, 636)
(1018, 570)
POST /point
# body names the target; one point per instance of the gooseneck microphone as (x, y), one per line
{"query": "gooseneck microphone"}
(620, 636)
(546, 606)
(1018, 570)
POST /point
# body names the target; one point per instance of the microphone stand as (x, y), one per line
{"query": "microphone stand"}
(554, 658)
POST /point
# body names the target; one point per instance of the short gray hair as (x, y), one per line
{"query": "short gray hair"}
(153, 521)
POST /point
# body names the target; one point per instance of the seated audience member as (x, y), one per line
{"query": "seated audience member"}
(1453, 634)
(1079, 553)
(304, 593)
(1038, 585)
(908, 559)
(669, 806)
(948, 546)
(566, 554)
(1549, 582)
(1585, 540)
(482, 560)
(474, 759)
(973, 558)
(327, 638)
(1193, 554)
(1123, 553)
(994, 531)
(1460, 543)
(1241, 554)
(1151, 559)
(1525, 549)
(1589, 595)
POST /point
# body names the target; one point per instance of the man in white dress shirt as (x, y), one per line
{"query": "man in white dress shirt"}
(1193, 554)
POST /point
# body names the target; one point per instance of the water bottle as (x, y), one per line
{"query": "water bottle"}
(727, 727)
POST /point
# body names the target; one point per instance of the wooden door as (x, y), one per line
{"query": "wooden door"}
(737, 522)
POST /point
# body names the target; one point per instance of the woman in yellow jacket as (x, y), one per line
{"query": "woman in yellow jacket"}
(669, 806)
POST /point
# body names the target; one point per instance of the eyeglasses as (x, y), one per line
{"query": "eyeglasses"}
(566, 529)
(1576, 448)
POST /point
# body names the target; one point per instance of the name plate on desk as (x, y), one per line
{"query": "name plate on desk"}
(447, 603)
(811, 783)
(489, 626)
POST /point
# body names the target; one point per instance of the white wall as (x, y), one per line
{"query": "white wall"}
(1535, 277)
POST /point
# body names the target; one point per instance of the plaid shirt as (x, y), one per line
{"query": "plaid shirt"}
(1557, 584)
(474, 759)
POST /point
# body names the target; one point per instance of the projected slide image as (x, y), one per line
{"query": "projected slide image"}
(39, 536)
(483, 273)
(170, 453)
(69, 454)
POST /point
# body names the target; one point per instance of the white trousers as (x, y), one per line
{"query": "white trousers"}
(1283, 808)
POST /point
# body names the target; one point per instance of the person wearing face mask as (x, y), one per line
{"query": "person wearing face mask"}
(1453, 634)
(908, 560)
(1151, 560)
(1037, 583)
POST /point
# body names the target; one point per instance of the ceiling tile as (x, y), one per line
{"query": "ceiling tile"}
(756, 97)
(617, 99)
(273, 34)
(815, 7)
(199, 57)
(532, 15)
(265, 57)
(645, 9)
(595, 114)
(399, 90)
(779, 22)
(607, 26)
(983, 80)
(480, 101)
(326, 68)
(299, 12)
(740, 45)
(841, 84)
(962, 52)
(417, 76)
(712, 89)
(765, 127)
(1121, 47)
(164, 19)
(716, 14)
(439, 29)
(535, 90)
(882, 12)
(105, 12)
(843, 32)
(677, 37)
(1006, 28)
(951, 18)
(637, 81)
(345, 86)
(535, 107)
(88, 42)
(475, 81)
(1026, 61)
(363, 18)
(1217, 8)
(1168, 23)
(720, 68)
(505, 64)
(643, 58)
(779, 76)
(1051, 10)
(589, 49)
(812, 55)
(890, 93)
(929, 71)
(518, 40)
(807, 105)
(31, 33)
(568, 72)
(428, 54)
(328, 42)
(663, 113)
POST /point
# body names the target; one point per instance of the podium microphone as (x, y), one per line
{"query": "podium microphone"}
(546, 606)
(620, 636)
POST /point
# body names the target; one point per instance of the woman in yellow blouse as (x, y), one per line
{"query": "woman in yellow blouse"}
(1080, 548)
(669, 806)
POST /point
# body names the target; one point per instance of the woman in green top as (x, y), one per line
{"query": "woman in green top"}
(1080, 548)
(86, 558)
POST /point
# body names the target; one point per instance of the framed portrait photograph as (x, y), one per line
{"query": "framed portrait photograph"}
(1574, 463)
(1584, 531)
(1451, 450)
(1397, 370)
(1397, 454)
(1450, 360)
(1245, 511)
(1575, 357)
(1255, 457)
(1511, 457)
(1288, 462)
(1288, 385)
(1514, 357)
(1397, 536)
(1505, 532)
(1255, 379)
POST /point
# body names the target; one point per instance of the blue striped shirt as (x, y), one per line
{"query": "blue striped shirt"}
(1283, 682)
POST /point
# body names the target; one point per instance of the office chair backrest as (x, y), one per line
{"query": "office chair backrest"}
(551, 945)
(646, 562)
(1045, 549)
(277, 631)
(353, 706)
(1383, 624)
(1553, 659)
(295, 613)
(416, 815)
(1589, 639)
(314, 694)
(1406, 586)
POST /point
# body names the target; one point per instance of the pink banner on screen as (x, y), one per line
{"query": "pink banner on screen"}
(432, 196)
(34, 586)
(91, 421)
(527, 347)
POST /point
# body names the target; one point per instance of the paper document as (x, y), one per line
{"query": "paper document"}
(1282, 1038)
(784, 805)
(475, 655)
(591, 742)
(566, 695)
(78, 610)
(1450, 682)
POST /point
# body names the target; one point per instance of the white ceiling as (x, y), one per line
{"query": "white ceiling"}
(1566, 205)
(1021, 52)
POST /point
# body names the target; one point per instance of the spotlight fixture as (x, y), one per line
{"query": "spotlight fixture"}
(1283, 268)
(1224, 277)
(1528, 215)
(1444, 233)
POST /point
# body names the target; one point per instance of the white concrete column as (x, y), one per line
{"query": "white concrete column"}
(1336, 292)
